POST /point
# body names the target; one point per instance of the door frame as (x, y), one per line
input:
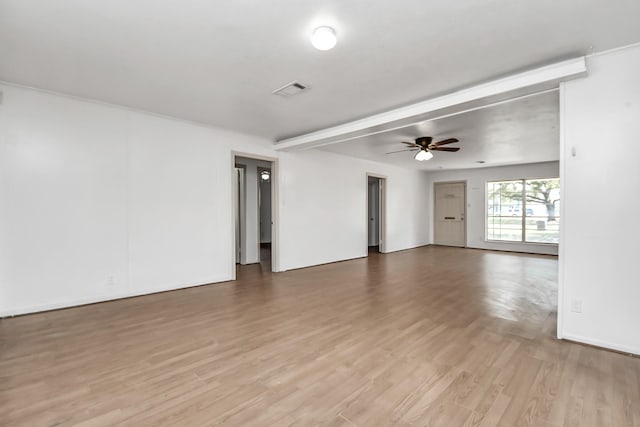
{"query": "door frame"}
(382, 231)
(465, 220)
(275, 211)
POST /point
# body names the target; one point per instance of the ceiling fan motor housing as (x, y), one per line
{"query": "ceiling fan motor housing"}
(424, 140)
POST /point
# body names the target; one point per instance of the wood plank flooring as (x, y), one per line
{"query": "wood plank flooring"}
(432, 336)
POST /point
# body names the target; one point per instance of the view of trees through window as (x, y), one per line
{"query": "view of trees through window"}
(525, 210)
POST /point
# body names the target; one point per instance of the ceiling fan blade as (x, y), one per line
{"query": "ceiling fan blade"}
(445, 142)
(413, 144)
(401, 151)
(452, 149)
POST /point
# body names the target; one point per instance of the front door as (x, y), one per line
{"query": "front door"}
(449, 225)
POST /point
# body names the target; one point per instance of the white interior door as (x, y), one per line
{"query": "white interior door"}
(449, 226)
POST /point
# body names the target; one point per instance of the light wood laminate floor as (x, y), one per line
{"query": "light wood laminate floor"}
(430, 336)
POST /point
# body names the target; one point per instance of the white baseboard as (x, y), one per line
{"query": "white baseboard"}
(599, 343)
(16, 311)
(518, 248)
(363, 255)
(419, 245)
(332, 261)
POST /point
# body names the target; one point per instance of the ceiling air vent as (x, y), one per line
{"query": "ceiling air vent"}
(290, 89)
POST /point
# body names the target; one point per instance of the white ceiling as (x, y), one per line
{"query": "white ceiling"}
(514, 132)
(217, 62)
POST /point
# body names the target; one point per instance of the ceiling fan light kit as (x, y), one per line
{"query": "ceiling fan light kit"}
(423, 155)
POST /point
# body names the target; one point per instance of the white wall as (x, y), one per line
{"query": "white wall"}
(476, 201)
(324, 203)
(600, 120)
(99, 202)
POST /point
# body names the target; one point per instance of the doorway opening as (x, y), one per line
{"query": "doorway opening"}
(376, 187)
(254, 206)
(264, 208)
(449, 213)
(239, 199)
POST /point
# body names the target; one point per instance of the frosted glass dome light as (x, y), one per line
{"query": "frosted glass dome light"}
(423, 155)
(324, 38)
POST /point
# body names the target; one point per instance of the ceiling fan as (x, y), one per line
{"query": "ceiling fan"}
(424, 145)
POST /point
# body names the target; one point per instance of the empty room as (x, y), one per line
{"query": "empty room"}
(286, 213)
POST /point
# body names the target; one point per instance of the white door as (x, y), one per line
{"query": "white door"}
(449, 225)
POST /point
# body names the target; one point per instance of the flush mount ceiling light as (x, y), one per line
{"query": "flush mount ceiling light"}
(423, 155)
(324, 38)
(265, 175)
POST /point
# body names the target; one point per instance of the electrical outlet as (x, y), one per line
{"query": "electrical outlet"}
(111, 282)
(576, 305)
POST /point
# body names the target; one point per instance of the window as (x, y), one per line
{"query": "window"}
(524, 210)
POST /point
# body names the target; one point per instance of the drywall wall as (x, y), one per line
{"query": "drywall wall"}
(100, 202)
(476, 180)
(175, 182)
(600, 123)
(324, 203)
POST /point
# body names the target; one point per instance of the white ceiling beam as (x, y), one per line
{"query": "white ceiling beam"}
(514, 86)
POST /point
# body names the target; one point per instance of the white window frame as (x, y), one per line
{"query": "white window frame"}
(523, 240)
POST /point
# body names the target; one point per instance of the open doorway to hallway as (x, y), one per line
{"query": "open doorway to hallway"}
(253, 212)
(264, 209)
(376, 187)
